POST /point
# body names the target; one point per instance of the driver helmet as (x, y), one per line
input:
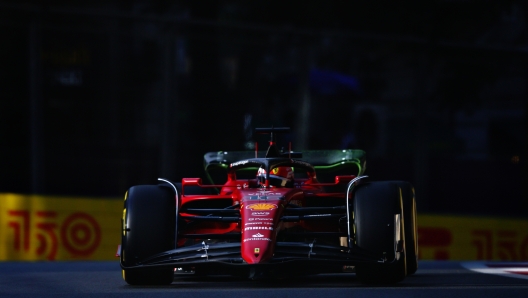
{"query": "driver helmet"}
(279, 177)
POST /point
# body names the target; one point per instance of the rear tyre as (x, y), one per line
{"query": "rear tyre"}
(148, 228)
(376, 205)
(411, 226)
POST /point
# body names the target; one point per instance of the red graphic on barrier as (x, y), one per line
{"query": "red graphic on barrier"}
(506, 245)
(524, 249)
(437, 238)
(21, 231)
(80, 234)
(46, 231)
(483, 242)
(502, 244)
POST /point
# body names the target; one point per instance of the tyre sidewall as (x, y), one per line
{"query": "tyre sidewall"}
(375, 205)
(411, 225)
(148, 228)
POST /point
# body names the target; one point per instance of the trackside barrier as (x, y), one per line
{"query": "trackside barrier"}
(472, 238)
(38, 228)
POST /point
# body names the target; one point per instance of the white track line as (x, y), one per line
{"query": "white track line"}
(508, 269)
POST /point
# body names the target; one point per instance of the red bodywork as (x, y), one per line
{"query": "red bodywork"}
(261, 210)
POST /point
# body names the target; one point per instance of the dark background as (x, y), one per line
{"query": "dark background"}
(97, 96)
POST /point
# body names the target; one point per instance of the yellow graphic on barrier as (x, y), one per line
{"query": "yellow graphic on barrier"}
(49, 228)
(472, 238)
(34, 228)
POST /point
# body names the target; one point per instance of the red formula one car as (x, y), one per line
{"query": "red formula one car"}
(271, 216)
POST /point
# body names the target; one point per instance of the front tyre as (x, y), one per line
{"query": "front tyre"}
(148, 228)
(379, 228)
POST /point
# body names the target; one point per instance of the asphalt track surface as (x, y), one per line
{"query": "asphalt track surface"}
(103, 279)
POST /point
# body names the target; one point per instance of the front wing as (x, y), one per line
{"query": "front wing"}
(288, 256)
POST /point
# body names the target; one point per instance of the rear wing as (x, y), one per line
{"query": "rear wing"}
(326, 162)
